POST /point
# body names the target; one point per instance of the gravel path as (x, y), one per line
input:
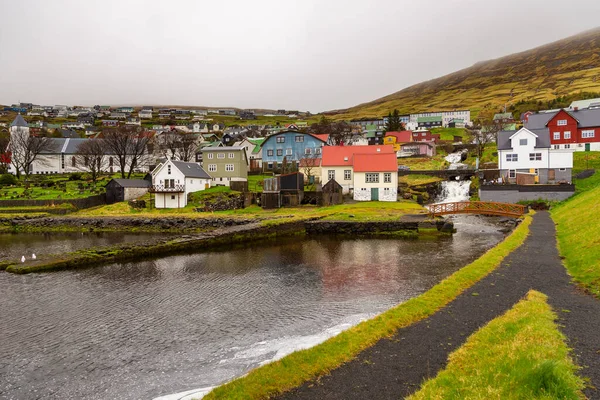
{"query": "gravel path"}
(396, 367)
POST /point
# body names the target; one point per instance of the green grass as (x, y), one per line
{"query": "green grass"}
(449, 133)
(583, 160)
(425, 163)
(578, 233)
(255, 182)
(519, 355)
(418, 180)
(301, 366)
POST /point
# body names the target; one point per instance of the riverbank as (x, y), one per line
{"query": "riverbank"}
(217, 233)
(306, 365)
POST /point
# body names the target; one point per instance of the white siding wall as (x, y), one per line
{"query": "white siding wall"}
(523, 152)
(347, 185)
(362, 189)
(169, 200)
(561, 159)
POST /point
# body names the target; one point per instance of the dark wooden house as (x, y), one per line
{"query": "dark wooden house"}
(126, 189)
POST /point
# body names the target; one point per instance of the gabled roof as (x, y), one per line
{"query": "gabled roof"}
(191, 169)
(19, 121)
(379, 162)
(224, 148)
(133, 183)
(321, 136)
(342, 155)
(503, 116)
(401, 136)
(542, 138)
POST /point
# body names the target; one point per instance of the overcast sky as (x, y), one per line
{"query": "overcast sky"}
(304, 55)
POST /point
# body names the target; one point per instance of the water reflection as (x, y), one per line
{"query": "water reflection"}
(139, 330)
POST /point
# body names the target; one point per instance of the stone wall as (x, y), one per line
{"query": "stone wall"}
(366, 228)
(85, 202)
(123, 223)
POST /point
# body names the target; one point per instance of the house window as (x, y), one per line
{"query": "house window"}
(512, 173)
(535, 156)
(561, 122)
(512, 157)
(62, 161)
(210, 156)
(220, 155)
(270, 153)
(567, 134)
(331, 174)
(307, 151)
(556, 146)
(229, 167)
(212, 167)
(318, 150)
(556, 135)
(522, 142)
(387, 177)
(280, 139)
(288, 152)
(299, 139)
(231, 155)
(347, 174)
(562, 169)
(372, 178)
(279, 152)
(567, 146)
(168, 170)
(587, 134)
(270, 165)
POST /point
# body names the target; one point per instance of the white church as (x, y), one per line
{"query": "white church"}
(60, 158)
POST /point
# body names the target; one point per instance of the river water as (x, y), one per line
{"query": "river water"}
(151, 328)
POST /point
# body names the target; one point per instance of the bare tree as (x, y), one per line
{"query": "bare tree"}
(91, 157)
(129, 145)
(26, 149)
(338, 131)
(189, 146)
(169, 144)
(484, 131)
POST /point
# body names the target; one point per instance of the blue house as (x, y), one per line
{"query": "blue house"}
(291, 146)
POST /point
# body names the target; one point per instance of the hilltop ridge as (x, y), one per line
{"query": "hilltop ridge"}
(559, 68)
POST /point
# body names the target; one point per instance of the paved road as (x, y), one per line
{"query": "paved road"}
(397, 366)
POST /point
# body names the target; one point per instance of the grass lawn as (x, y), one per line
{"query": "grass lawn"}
(578, 233)
(519, 355)
(301, 366)
(425, 163)
(417, 180)
(449, 133)
(583, 160)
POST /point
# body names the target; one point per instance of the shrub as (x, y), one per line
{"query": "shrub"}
(75, 176)
(7, 180)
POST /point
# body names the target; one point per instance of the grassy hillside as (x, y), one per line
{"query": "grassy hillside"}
(568, 66)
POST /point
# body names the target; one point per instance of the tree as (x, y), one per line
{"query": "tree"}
(91, 157)
(189, 146)
(129, 145)
(393, 122)
(26, 149)
(177, 145)
(338, 131)
(484, 130)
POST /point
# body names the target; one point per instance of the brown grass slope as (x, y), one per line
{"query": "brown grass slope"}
(564, 67)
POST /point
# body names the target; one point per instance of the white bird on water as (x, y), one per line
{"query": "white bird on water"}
(33, 256)
(23, 259)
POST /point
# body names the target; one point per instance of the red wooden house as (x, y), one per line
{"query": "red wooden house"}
(576, 129)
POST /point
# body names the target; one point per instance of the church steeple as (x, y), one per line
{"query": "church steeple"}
(20, 122)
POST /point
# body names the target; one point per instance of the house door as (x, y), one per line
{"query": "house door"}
(587, 147)
(374, 194)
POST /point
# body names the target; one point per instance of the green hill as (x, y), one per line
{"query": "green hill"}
(568, 66)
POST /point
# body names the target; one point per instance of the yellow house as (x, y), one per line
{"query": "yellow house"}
(397, 138)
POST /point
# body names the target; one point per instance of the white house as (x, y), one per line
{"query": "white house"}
(525, 156)
(172, 181)
(368, 172)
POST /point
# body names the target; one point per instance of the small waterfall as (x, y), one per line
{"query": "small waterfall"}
(454, 191)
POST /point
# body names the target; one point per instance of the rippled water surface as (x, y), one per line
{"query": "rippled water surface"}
(141, 330)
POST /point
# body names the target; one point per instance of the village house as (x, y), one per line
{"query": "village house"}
(429, 122)
(172, 181)
(340, 163)
(253, 151)
(421, 149)
(225, 164)
(578, 130)
(145, 114)
(118, 189)
(395, 139)
(526, 157)
(291, 147)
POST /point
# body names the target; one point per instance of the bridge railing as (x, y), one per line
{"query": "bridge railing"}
(477, 207)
